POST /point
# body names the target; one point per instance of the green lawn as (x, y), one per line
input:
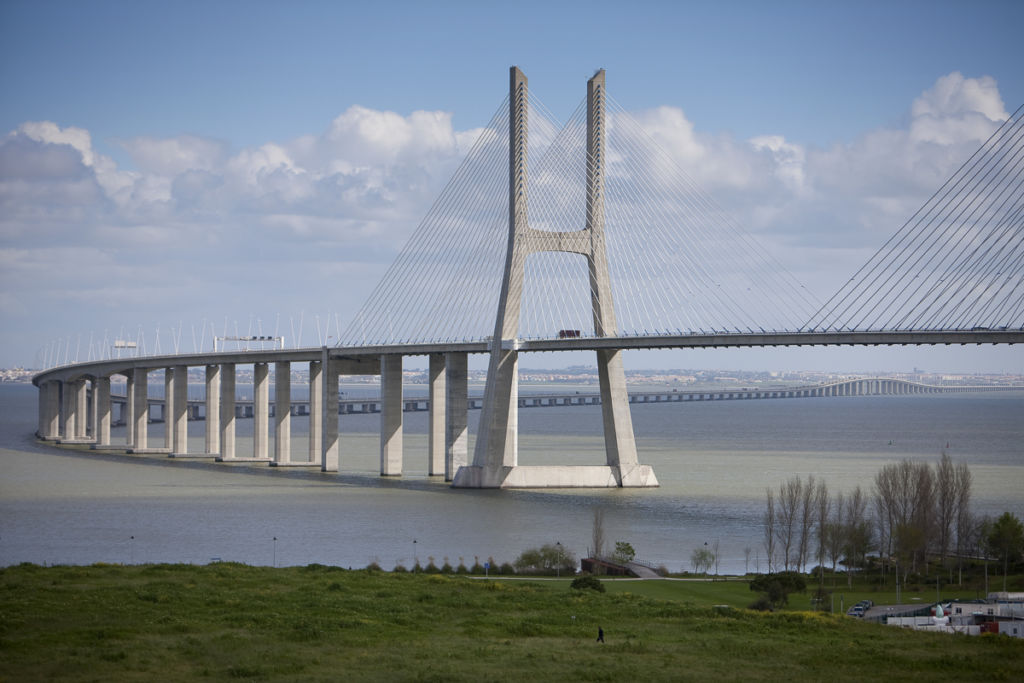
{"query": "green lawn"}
(233, 622)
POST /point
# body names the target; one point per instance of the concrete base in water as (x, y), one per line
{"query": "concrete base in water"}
(193, 456)
(555, 476)
(243, 459)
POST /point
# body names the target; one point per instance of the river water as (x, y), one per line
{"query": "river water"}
(713, 460)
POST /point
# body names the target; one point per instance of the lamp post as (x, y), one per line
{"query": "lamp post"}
(131, 550)
(558, 566)
(275, 551)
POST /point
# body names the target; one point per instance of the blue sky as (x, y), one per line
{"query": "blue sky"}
(176, 93)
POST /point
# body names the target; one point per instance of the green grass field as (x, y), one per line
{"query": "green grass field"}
(234, 622)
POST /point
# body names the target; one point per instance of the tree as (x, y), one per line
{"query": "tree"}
(769, 528)
(1006, 540)
(945, 504)
(964, 521)
(746, 559)
(702, 559)
(597, 533)
(547, 559)
(856, 532)
(777, 587)
(624, 553)
(807, 517)
(788, 513)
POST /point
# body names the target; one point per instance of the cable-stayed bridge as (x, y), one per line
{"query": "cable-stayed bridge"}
(582, 236)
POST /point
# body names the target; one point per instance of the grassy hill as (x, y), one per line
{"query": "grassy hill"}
(234, 622)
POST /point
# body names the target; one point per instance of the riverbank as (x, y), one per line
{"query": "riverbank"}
(227, 621)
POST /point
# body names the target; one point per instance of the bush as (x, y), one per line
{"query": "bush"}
(762, 604)
(400, 569)
(588, 582)
(547, 559)
(777, 587)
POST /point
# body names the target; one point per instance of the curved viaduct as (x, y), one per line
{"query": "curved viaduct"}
(67, 415)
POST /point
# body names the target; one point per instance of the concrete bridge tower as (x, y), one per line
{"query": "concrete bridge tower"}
(495, 458)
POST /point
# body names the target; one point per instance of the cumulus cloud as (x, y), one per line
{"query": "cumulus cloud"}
(194, 213)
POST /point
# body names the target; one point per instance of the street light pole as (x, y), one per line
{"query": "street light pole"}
(275, 551)
(558, 566)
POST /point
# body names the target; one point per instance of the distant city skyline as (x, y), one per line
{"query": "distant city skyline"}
(176, 166)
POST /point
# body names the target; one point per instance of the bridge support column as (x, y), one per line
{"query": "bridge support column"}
(212, 427)
(140, 409)
(68, 406)
(227, 411)
(330, 452)
(128, 409)
(261, 411)
(282, 412)
(179, 411)
(316, 414)
(390, 415)
(81, 410)
(456, 413)
(101, 400)
(168, 413)
(436, 432)
(49, 404)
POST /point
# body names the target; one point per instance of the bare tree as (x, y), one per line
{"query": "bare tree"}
(746, 559)
(962, 494)
(597, 533)
(821, 507)
(769, 528)
(945, 504)
(835, 531)
(788, 513)
(718, 556)
(857, 532)
(807, 517)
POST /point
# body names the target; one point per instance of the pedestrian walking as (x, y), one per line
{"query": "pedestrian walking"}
(600, 634)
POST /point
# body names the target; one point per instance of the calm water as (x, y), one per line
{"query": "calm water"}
(713, 460)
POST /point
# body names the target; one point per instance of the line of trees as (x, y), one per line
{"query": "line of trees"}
(915, 512)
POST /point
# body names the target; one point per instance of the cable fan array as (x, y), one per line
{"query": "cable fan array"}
(958, 263)
(678, 264)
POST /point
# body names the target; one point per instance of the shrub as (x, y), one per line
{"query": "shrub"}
(588, 582)
(400, 569)
(547, 559)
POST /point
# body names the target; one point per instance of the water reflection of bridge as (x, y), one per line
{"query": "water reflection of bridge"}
(873, 386)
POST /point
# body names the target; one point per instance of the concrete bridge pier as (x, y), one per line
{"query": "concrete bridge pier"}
(213, 400)
(390, 415)
(101, 401)
(316, 420)
(283, 412)
(168, 409)
(178, 426)
(49, 410)
(139, 417)
(456, 439)
(437, 429)
(329, 445)
(261, 411)
(227, 412)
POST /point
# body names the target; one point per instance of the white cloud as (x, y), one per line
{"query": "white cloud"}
(197, 214)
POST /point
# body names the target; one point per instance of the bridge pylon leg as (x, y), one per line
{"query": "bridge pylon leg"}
(495, 458)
